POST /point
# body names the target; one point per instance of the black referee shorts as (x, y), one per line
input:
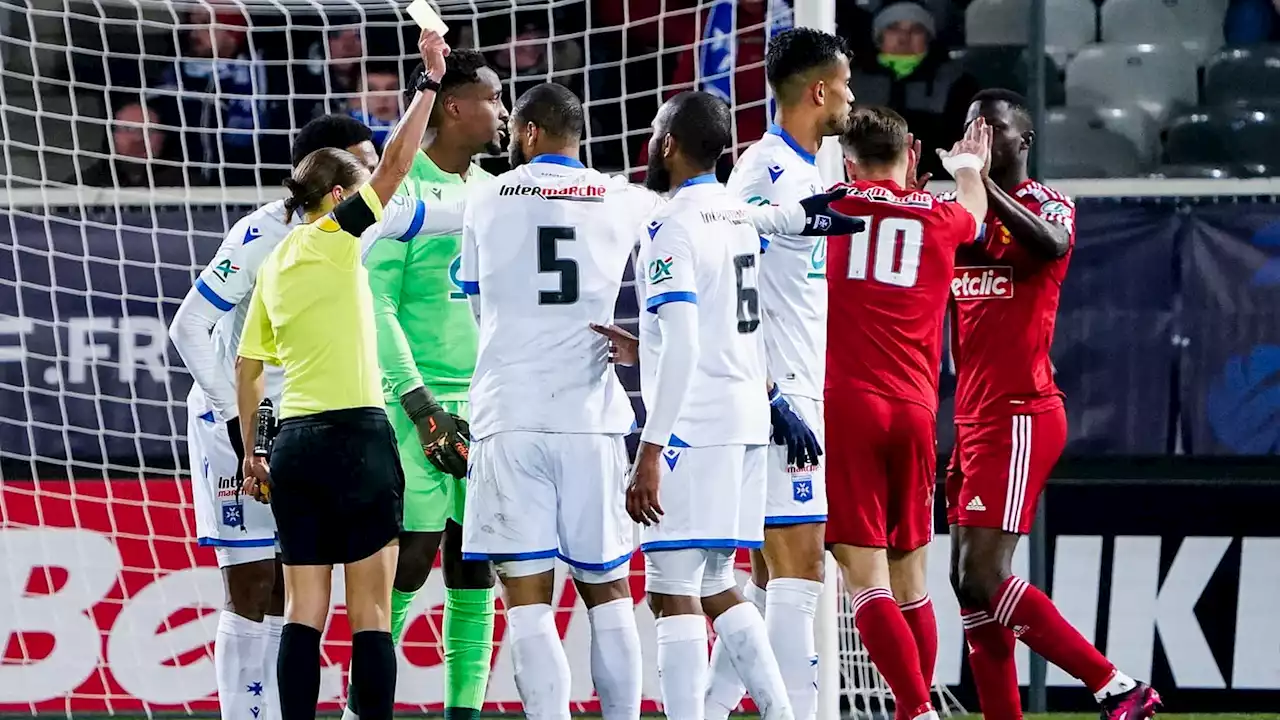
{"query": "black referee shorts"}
(337, 488)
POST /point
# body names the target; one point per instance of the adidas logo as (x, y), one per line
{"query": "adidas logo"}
(975, 505)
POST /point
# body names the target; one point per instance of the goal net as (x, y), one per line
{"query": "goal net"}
(134, 134)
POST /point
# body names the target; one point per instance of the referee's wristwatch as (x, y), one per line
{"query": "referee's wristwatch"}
(426, 82)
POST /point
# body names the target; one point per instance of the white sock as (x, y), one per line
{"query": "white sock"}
(747, 643)
(725, 692)
(1117, 685)
(542, 668)
(931, 715)
(348, 715)
(682, 665)
(274, 625)
(792, 603)
(238, 650)
(616, 667)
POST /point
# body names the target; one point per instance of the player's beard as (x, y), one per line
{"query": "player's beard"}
(515, 154)
(657, 179)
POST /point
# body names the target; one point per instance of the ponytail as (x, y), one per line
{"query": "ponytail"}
(315, 176)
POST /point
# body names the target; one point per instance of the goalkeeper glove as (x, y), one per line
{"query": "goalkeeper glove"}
(821, 219)
(789, 429)
(444, 437)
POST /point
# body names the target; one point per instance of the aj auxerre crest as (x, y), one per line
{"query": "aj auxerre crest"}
(660, 269)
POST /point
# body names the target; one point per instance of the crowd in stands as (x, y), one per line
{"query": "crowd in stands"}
(1135, 87)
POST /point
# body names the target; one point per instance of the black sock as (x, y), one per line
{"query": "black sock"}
(298, 672)
(374, 654)
(461, 713)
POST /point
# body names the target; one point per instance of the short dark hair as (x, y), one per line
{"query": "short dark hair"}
(1016, 102)
(796, 51)
(553, 108)
(381, 68)
(328, 131)
(315, 175)
(876, 135)
(702, 127)
(461, 67)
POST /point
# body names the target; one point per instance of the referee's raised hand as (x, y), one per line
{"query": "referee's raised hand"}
(444, 437)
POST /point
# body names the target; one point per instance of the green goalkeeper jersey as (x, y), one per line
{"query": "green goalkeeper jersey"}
(426, 334)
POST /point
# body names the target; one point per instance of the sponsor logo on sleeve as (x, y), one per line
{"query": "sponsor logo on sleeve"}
(225, 270)
(1053, 207)
(775, 172)
(982, 283)
(758, 200)
(660, 270)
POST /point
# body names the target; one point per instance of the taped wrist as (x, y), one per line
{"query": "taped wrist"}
(963, 161)
(419, 403)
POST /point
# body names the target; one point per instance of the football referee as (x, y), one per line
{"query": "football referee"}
(334, 481)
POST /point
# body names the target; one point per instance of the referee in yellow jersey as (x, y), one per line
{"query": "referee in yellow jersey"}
(335, 483)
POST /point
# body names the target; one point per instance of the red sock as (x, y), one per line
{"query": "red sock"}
(1034, 619)
(991, 659)
(924, 628)
(888, 640)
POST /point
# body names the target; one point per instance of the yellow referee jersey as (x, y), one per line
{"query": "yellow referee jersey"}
(312, 313)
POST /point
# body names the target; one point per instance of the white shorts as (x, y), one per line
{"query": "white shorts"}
(711, 497)
(797, 496)
(534, 495)
(224, 517)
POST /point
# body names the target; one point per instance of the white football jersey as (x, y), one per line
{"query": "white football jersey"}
(545, 246)
(701, 247)
(793, 280)
(229, 278)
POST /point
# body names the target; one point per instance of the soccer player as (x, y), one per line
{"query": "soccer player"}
(427, 343)
(809, 73)
(544, 248)
(334, 481)
(889, 286)
(1011, 426)
(206, 332)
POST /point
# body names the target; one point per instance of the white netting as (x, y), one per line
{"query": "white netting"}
(126, 154)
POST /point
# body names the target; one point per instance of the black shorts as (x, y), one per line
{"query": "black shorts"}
(337, 489)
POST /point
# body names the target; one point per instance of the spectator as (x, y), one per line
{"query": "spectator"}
(378, 102)
(529, 57)
(912, 74)
(135, 142)
(216, 90)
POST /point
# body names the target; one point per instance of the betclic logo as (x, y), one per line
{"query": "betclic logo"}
(982, 283)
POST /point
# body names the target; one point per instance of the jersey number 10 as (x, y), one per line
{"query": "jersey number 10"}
(897, 253)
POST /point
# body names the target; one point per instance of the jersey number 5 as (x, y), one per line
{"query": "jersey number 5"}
(748, 294)
(897, 255)
(549, 261)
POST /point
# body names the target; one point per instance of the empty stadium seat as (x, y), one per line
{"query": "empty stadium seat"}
(1224, 136)
(1156, 78)
(1195, 23)
(1007, 66)
(1069, 24)
(1243, 75)
(1088, 142)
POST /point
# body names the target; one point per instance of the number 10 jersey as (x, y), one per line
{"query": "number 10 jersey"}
(545, 247)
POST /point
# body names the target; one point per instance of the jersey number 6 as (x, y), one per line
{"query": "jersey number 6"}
(748, 294)
(549, 261)
(892, 267)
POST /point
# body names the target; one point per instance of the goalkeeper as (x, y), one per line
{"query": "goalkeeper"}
(427, 347)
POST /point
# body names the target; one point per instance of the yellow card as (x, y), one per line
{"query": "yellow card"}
(426, 18)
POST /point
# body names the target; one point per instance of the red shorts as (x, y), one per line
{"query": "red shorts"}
(999, 469)
(881, 455)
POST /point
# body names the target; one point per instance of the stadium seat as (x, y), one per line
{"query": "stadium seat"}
(1197, 24)
(1007, 66)
(1069, 24)
(1243, 75)
(1087, 142)
(1157, 78)
(1194, 172)
(1224, 136)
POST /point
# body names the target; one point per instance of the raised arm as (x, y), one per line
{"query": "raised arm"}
(406, 138)
(967, 162)
(1045, 238)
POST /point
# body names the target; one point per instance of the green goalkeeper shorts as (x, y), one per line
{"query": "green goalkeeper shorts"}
(430, 497)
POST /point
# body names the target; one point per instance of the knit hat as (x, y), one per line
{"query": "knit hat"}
(903, 11)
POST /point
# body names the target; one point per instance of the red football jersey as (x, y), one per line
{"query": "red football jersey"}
(1005, 307)
(887, 291)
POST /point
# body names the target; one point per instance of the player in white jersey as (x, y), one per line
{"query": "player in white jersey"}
(544, 248)
(206, 332)
(699, 488)
(808, 71)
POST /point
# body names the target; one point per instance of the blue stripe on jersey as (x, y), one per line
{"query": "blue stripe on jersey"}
(764, 243)
(251, 542)
(676, 442)
(419, 213)
(658, 301)
(708, 543)
(784, 520)
(510, 557)
(214, 299)
(790, 141)
(558, 160)
(208, 417)
(596, 567)
(469, 287)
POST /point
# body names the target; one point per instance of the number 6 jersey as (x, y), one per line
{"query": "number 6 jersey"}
(545, 247)
(888, 290)
(702, 248)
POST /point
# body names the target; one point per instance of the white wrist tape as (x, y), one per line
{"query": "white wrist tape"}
(963, 161)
